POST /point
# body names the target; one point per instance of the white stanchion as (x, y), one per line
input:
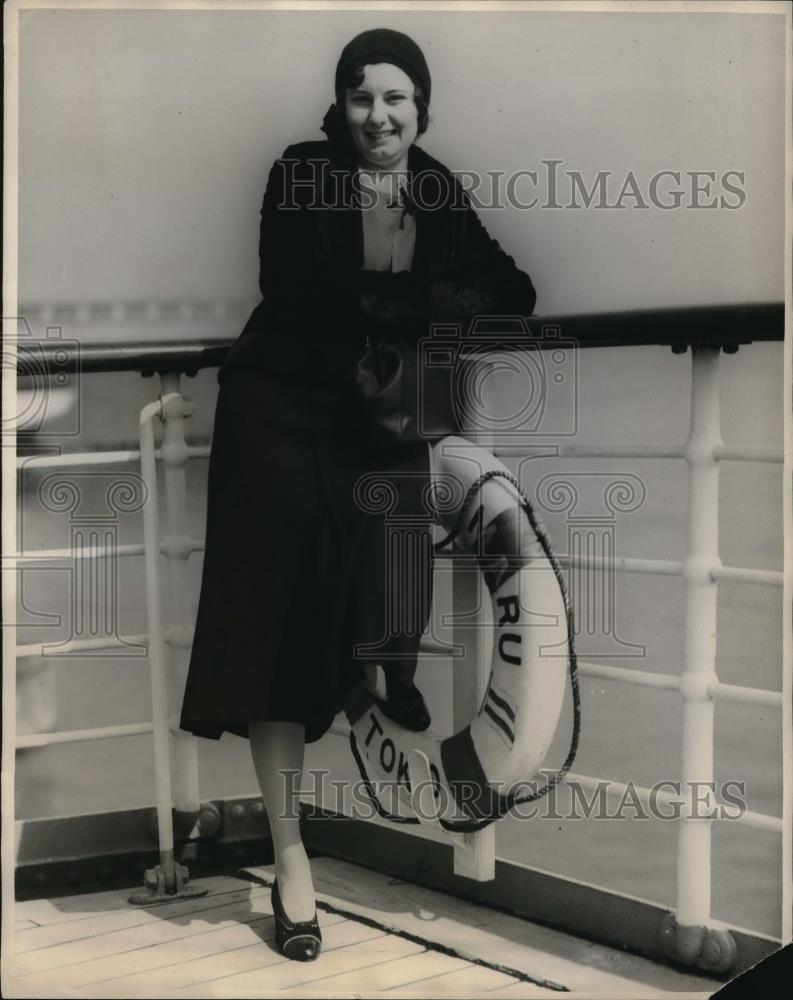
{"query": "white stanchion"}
(694, 845)
(157, 652)
(178, 547)
(169, 879)
(689, 935)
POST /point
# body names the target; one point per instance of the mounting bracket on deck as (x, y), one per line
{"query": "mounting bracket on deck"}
(164, 883)
(709, 948)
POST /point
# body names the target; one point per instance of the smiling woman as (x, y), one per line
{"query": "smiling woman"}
(382, 116)
(384, 84)
(292, 443)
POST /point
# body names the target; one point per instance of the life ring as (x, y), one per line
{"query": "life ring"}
(471, 774)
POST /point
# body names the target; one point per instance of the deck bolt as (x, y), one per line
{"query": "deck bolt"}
(210, 820)
(719, 951)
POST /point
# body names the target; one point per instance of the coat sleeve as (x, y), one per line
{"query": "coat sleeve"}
(292, 279)
(485, 280)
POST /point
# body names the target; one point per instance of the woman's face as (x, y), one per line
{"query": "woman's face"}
(382, 116)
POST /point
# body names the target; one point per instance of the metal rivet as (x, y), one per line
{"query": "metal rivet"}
(210, 820)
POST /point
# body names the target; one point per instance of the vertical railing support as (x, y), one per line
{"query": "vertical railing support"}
(474, 853)
(169, 879)
(688, 936)
(694, 855)
(178, 546)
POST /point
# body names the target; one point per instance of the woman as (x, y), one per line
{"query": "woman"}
(352, 250)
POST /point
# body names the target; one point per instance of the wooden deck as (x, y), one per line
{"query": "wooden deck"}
(379, 935)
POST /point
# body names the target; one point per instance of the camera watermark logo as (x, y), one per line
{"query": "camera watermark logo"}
(48, 383)
(94, 503)
(591, 503)
(502, 376)
(404, 589)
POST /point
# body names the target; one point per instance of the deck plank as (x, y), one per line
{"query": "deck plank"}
(95, 923)
(357, 952)
(201, 958)
(64, 909)
(179, 957)
(173, 962)
(472, 980)
(24, 925)
(114, 942)
(528, 990)
(394, 973)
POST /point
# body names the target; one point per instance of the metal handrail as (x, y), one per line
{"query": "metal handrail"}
(728, 326)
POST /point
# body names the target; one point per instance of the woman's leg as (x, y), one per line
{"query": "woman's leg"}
(278, 750)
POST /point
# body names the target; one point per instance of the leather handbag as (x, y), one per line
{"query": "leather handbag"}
(404, 400)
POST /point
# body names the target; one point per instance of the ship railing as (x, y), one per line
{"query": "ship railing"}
(692, 936)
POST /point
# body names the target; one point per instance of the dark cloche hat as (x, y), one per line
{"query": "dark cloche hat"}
(385, 45)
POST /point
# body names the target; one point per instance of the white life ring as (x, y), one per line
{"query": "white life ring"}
(471, 773)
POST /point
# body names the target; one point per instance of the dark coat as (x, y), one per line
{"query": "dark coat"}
(318, 304)
(295, 570)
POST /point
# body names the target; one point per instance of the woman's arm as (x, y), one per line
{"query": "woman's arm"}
(481, 279)
(486, 280)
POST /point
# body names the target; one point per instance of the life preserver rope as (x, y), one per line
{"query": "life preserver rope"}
(508, 739)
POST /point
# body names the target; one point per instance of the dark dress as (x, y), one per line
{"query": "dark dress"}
(307, 574)
(293, 570)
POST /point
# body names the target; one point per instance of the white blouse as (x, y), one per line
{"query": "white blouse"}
(389, 233)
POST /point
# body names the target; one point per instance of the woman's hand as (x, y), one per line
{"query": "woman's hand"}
(395, 304)
(451, 303)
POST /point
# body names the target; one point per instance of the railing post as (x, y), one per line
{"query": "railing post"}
(475, 856)
(178, 546)
(694, 860)
(689, 936)
(169, 879)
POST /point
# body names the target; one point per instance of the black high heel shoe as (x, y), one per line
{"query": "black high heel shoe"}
(405, 705)
(302, 941)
